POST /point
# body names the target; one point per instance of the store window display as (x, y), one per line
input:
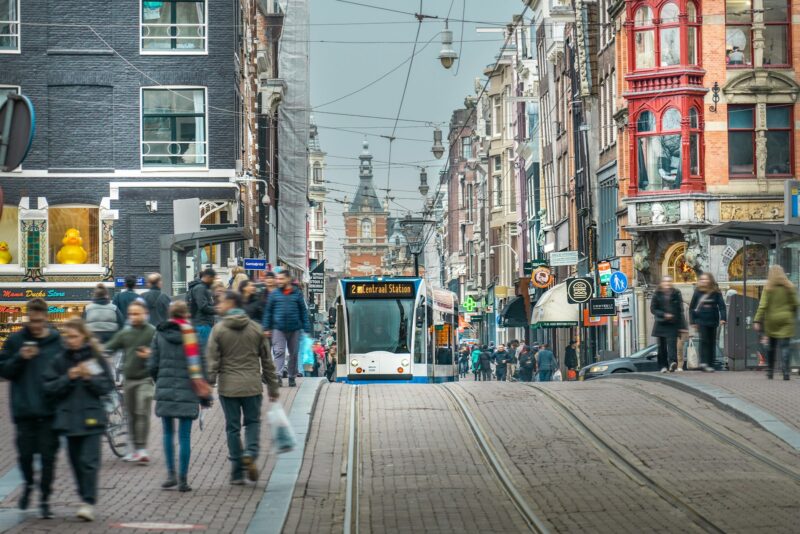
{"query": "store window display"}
(74, 235)
(9, 237)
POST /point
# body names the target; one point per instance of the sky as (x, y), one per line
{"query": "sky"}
(384, 40)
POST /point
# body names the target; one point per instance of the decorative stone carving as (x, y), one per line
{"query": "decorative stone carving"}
(761, 155)
(751, 211)
(108, 250)
(696, 255)
(641, 255)
(658, 213)
(699, 210)
(776, 86)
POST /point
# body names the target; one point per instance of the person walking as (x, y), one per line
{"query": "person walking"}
(513, 353)
(123, 299)
(330, 364)
(706, 313)
(670, 322)
(463, 362)
(103, 318)
(24, 359)
(157, 302)
(285, 320)
(776, 317)
(571, 357)
(238, 275)
(476, 362)
(486, 364)
(77, 380)
(138, 386)
(527, 364)
(239, 361)
(177, 367)
(501, 358)
(546, 363)
(252, 302)
(201, 306)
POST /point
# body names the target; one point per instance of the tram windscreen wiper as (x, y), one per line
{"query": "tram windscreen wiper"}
(403, 333)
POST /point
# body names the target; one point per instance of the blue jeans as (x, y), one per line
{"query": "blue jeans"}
(236, 408)
(546, 376)
(184, 441)
(203, 332)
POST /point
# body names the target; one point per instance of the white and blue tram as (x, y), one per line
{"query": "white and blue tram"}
(395, 329)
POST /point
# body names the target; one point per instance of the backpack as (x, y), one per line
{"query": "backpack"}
(190, 297)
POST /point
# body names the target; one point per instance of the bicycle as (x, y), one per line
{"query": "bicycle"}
(117, 427)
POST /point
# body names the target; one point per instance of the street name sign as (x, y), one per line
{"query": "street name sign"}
(567, 257)
(579, 290)
(602, 307)
(255, 264)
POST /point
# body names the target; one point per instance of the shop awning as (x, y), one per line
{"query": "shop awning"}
(444, 301)
(206, 237)
(513, 314)
(553, 311)
(763, 233)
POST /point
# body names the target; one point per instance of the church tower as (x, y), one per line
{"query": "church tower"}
(366, 225)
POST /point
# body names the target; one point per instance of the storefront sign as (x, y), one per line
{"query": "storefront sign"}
(316, 282)
(541, 277)
(604, 270)
(567, 257)
(47, 293)
(602, 307)
(579, 290)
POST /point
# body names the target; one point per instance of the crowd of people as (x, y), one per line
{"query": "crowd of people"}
(516, 362)
(239, 337)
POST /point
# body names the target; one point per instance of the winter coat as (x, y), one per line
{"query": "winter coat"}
(486, 360)
(663, 304)
(476, 359)
(130, 339)
(501, 358)
(201, 304)
(28, 399)
(239, 359)
(708, 311)
(546, 360)
(168, 366)
(157, 305)
(286, 311)
(777, 312)
(123, 300)
(527, 362)
(254, 308)
(570, 358)
(103, 319)
(79, 405)
(236, 280)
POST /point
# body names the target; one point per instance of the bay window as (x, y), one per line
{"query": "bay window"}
(9, 26)
(694, 142)
(173, 26)
(658, 35)
(743, 158)
(174, 127)
(658, 151)
(739, 33)
(644, 36)
(670, 34)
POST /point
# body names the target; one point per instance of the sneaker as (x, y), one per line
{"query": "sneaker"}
(44, 510)
(672, 367)
(25, 498)
(86, 512)
(663, 369)
(708, 369)
(237, 480)
(128, 457)
(250, 466)
(171, 482)
(140, 457)
(184, 486)
(679, 369)
(292, 382)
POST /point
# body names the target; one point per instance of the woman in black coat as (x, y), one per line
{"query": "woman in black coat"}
(707, 312)
(667, 308)
(253, 302)
(77, 380)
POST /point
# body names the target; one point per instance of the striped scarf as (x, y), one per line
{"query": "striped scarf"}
(191, 349)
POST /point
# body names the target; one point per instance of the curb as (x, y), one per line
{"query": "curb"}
(729, 402)
(9, 482)
(273, 508)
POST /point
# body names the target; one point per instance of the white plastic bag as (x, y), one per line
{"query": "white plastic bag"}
(557, 376)
(283, 438)
(692, 354)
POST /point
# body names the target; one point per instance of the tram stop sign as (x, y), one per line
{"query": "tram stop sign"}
(17, 125)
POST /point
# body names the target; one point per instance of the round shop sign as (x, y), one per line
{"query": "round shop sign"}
(579, 290)
(541, 277)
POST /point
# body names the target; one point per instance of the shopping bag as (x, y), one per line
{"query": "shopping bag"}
(557, 376)
(283, 438)
(692, 354)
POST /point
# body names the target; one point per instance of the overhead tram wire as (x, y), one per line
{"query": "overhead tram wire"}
(420, 14)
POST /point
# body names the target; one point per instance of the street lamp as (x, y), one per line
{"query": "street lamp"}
(447, 56)
(265, 200)
(514, 252)
(438, 148)
(423, 182)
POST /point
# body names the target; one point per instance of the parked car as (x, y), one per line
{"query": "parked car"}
(643, 361)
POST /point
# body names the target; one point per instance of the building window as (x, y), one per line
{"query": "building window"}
(498, 163)
(318, 219)
(73, 235)
(174, 128)
(466, 147)
(9, 26)
(742, 140)
(498, 191)
(366, 229)
(469, 203)
(675, 265)
(644, 36)
(692, 32)
(669, 32)
(739, 32)
(657, 36)
(659, 160)
(173, 26)
(608, 218)
(694, 142)
(497, 116)
(317, 172)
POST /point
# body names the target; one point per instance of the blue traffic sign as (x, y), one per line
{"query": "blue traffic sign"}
(119, 281)
(255, 264)
(618, 282)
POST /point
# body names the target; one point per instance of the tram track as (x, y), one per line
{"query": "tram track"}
(628, 468)
(718, 435)
(351, 508)
(535, 524)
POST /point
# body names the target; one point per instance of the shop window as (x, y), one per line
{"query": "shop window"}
(742, 155)
(73, 235)
(174, 127)
(739, 32)
(9, 26)
(172, 26)
(675, 265)
(659, 161)
(9, 238)
(757, 264)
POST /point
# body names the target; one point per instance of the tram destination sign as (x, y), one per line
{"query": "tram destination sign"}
(380, 290)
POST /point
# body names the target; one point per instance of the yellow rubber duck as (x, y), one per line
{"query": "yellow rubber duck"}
(72, 253)
(5, 255)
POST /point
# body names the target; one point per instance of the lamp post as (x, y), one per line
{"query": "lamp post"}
(514, 252)
(414, 229)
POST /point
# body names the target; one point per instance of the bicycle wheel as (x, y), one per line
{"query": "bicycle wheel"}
(117, 429)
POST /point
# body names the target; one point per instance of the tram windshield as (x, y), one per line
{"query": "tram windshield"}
(380, 325)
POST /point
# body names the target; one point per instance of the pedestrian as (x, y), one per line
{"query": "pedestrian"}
(513, 353)
(138, 386)
(546, 363)
(252, 301)
(707, 312)
(124, 298)
(238, 275)
(285, 320)
(103, 318)
(176, 364)
(24, 359)
(330, 367)
(319, 357)
(463, 362)
(776, 317)
(501, 358)
(201, 306)
(670, 323)
(476, 361)
(77, 380)
(157, 302)
(486, 364)
(571, 356)
(240, 363)
(527, 365)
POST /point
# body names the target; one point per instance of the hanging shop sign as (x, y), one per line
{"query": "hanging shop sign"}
(566, 257)
(602, 307)
(66, 294)
(541, 277)
(604, 270)
(579, 290)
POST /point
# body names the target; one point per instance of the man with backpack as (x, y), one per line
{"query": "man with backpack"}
(201, 306)
(157, 302)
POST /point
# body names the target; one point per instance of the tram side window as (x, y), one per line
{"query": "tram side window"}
(419, 345)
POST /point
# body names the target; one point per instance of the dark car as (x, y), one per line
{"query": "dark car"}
(643, 361)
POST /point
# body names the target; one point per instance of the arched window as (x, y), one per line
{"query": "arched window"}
(659, 39)
(670, 33)
(366, 229)
(675, 265)
(645, 38)
(757, 264)
(692, 32)
(694, 142)
(317, 173)
(658, 152)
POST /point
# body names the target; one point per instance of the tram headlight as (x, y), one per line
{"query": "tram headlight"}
(354, 363)
(404, 363)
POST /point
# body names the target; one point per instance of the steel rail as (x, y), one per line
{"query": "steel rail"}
(353, 471)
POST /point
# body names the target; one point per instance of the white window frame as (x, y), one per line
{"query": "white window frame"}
(177, 51)
(84, 268)
(167, 168)
(18, 88)
(18, 50)
(497, 116)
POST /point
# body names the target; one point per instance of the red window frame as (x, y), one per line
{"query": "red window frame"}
(749, 31)
(655, 25)
(751, 129)
(790, 129)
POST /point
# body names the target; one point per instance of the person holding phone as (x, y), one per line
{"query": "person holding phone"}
(24, 359)
(77, 381)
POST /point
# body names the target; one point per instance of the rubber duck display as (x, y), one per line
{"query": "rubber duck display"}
(72, 252)
(5, 255)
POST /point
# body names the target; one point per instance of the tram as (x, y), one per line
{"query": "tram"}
(395, 329)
